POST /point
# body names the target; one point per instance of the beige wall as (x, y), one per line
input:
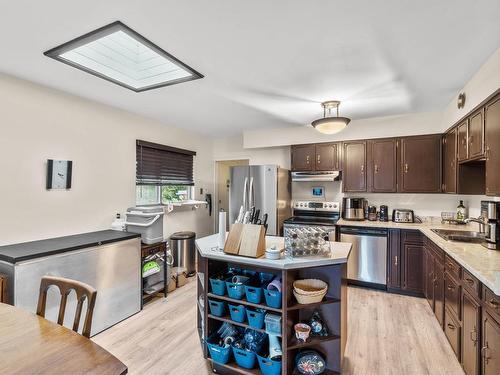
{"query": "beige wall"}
(232, 148)
(38, 123)
(409, 124)
(484, 83)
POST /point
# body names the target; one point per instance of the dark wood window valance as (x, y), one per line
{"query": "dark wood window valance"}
(163, 165)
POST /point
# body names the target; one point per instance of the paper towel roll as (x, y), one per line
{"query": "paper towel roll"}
(222, 229)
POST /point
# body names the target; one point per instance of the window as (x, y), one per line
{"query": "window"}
(120, 55)
(151, 194)
(164, 174)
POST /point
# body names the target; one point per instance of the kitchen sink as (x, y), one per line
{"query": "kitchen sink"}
(460, 235)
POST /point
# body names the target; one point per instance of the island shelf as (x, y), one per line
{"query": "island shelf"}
(333, 307)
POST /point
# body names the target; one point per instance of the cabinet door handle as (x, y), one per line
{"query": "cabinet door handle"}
(470, 281)
(319, 159)
(376, 168)
(449, 287)
(362, 168)
(473, 335)
(406, 168)
(484, 354)
(307, 159)
(396, 261)
(493, 303)
(451, 326)
(487, 153)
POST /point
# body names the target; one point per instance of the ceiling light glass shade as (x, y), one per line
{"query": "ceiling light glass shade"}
(120, 55)
(330, 125)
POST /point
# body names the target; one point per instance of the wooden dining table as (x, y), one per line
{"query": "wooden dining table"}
(30, 344)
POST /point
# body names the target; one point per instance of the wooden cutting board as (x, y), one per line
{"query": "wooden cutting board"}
(253, 241)
(233, 240)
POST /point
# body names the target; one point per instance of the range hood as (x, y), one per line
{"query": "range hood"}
(316, 176)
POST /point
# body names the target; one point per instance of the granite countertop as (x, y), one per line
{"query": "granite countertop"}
(36, 249)
(479, 261)
(207, 247)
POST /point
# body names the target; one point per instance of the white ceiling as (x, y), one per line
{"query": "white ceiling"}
(267, 63)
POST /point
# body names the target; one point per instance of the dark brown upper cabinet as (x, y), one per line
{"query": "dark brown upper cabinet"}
(462, 150)
(354, 167)
(421, 164)
(492, 147)
(450, 161)
(303, 157)
(476, 135)
(327, 157)
(383, 166)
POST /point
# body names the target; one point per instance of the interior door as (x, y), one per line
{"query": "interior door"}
(492, 131)
(263, 193)
(383, 165)
(421, 164)
(238, 191)
(476, 133)
(354, 167)
(450, 162)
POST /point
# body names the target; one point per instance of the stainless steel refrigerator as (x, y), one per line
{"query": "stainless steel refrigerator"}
(267, 187)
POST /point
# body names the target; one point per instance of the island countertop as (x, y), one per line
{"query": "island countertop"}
(207, 247)
(36, 249)
(475, 258)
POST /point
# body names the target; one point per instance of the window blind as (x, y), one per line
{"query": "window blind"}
(163, 165)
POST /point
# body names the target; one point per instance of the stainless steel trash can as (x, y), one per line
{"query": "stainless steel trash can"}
(183, 250)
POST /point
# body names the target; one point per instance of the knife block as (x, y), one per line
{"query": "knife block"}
(247, 240)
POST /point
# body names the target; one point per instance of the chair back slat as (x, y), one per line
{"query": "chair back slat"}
(83, 292)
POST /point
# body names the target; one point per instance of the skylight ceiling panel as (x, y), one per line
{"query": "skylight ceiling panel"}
(119, 54)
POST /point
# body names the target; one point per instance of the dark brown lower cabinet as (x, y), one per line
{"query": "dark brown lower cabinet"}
(439, 291)
(394, 260)
(452, 294)
(471, 320)
(413, 275)
(452, 331)
(429, 277)
(490, 351)
(405, 268)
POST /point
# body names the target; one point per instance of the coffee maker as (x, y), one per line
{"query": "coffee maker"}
(490, 212)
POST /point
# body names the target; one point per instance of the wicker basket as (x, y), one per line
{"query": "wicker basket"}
(312, 287)
(306, 299)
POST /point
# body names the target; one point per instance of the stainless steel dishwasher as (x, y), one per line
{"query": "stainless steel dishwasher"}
(368, 258)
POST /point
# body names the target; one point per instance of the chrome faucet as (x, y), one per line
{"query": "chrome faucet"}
(480, 220)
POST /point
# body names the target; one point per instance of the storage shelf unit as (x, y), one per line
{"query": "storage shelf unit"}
(333, 309)
(243, 302)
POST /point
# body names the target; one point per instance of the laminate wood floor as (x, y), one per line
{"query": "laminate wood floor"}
(387, 334)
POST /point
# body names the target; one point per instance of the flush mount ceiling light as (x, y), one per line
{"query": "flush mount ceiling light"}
(330, 124)
(119, 54)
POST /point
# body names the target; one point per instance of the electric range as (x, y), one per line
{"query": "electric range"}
(314, 214)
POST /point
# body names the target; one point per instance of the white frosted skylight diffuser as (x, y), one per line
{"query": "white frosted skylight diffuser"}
(120, 55)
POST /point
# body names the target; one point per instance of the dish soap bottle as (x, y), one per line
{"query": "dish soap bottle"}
(461, 211)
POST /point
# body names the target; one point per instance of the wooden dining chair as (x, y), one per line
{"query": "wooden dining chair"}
(83, 291)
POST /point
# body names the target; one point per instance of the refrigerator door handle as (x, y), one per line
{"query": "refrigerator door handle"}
(251, 193)
(245, 207)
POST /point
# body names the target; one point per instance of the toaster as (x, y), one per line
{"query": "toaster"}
(402, 215)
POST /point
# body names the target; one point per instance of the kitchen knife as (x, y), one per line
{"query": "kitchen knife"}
(256, 217)
(264, 221)
(240, 215)
(252, 214)
(246, 218)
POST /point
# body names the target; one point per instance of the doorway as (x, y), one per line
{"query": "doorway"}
(223, 182)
